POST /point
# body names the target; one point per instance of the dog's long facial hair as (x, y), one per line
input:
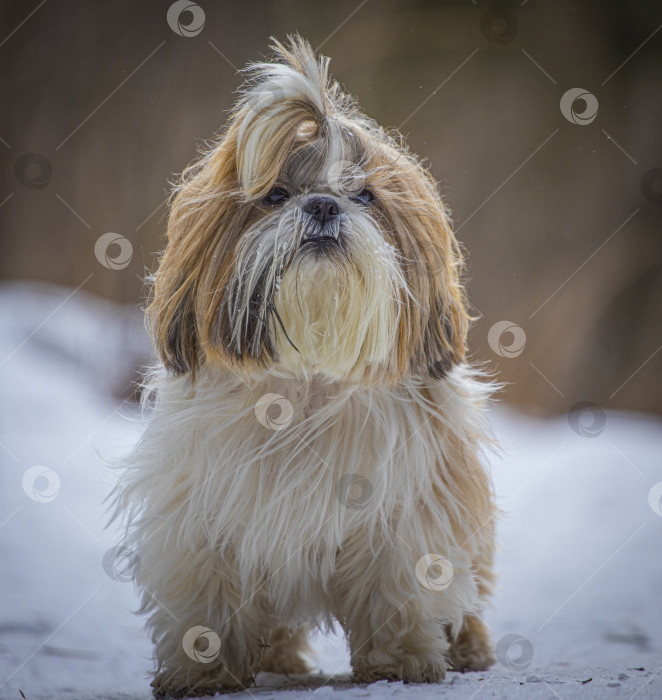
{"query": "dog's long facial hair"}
(310, 257)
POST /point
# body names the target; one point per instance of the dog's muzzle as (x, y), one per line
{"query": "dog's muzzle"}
(324, 213)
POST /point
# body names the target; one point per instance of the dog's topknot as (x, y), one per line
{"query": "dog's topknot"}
(284, 101)
(294, 73)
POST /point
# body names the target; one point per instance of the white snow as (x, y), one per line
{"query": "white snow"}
(580, 561)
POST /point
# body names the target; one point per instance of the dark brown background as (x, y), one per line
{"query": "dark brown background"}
(531, 222)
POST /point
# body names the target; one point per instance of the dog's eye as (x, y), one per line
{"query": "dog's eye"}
(365, 197)
(277, 195)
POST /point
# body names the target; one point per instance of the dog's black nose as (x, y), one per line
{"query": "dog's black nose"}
(322, 209)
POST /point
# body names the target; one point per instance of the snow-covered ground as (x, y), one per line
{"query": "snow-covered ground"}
(580, 565)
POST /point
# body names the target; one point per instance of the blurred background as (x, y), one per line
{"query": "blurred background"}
(562, 220)
(542, 122)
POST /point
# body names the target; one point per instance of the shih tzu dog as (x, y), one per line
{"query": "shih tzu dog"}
(314, 451)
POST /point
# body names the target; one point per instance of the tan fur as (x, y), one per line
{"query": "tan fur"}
(252, 530)
(472, 649)
(284, 652)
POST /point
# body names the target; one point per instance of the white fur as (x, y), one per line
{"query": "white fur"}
(238, 527)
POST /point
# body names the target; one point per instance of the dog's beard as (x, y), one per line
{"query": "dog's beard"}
(326, 305)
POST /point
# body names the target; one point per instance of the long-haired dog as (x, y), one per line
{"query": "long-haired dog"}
(314, 448)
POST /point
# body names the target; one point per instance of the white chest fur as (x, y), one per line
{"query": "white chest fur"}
(281, 501)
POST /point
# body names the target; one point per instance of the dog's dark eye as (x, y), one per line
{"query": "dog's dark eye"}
(277, 195)
(365, 197)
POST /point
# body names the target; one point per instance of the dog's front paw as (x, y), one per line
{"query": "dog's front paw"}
(283, 653)
(406, 667)
(472, 649)
(175, 684)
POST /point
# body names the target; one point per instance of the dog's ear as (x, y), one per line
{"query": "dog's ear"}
(171, 313)
(444, 319)
(197, 245)
(434, 319)
(444, 338)
(447, 323)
